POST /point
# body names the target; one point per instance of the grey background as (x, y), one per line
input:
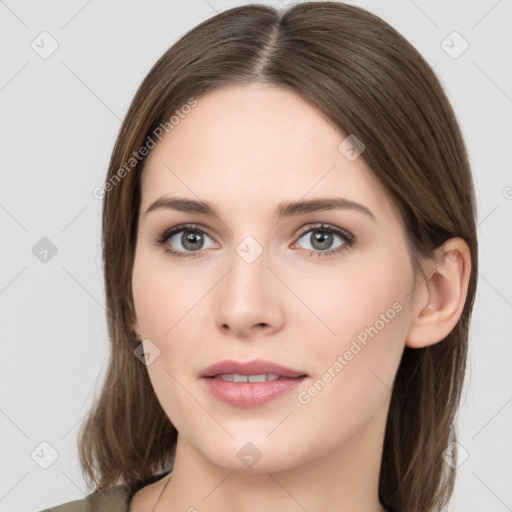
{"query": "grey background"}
(59, 120)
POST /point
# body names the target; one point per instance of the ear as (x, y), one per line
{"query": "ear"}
(441, 296)
(135, 329)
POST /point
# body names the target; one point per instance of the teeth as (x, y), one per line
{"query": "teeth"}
(258, 378)
(236, 377)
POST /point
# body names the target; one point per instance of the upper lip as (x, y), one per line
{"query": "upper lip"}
(254, 367)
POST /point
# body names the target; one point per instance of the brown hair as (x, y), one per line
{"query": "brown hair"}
(372, 83)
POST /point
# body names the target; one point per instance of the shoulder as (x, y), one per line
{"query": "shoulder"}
(115, 499)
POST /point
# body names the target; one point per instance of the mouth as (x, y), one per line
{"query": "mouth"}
(257, 368)
(250, 384)
(238, 377)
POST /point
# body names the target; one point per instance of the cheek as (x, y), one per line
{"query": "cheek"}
(165, 299)
(353, 371)
(364, 320)
(348, 301)
(170, 308)
(164, 303)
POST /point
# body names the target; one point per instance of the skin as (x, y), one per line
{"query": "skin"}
(246, 149)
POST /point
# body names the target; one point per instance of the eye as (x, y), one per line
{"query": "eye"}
(322, 240)
(190, 237)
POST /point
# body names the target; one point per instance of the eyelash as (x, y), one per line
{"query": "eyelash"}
(347, 238)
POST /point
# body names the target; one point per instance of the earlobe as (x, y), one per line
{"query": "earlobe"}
(442, 294)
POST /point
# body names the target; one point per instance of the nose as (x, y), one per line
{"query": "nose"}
(250, 298)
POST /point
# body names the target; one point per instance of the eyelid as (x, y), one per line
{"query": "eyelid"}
(301, 231)
(327, 227)
(167, 233)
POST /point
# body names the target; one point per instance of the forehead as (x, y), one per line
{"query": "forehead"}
(255, 146)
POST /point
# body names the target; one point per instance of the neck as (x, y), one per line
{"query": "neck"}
(343, 480)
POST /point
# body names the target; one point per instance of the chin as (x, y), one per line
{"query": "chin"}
(254, 457)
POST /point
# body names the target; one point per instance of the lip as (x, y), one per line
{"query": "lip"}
(250, 394)
(254, 367)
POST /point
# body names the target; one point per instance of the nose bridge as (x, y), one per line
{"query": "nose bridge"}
(247, 296)
(248, 268)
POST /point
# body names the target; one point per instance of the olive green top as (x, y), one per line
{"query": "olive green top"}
(114, 499)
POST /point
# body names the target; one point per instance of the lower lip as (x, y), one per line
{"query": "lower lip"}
(250, 394)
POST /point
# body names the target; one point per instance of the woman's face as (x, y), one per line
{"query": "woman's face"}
(272, 277)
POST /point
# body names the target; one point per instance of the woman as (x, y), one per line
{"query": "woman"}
(290, 262)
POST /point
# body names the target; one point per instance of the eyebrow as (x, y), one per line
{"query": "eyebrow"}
(284, 209)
